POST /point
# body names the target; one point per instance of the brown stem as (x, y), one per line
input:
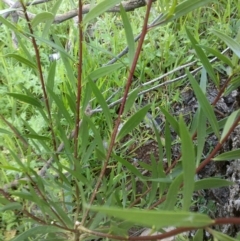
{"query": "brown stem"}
(40, 74)
(117, 123)
(79, 79)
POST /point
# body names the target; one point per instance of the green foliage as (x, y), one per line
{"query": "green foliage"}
(66, 181)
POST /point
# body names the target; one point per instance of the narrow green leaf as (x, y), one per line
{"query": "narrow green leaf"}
(219, 55)
(132, 122)
(105, 70)
(231, 43)
(99, 9)
(230, 155)
(53, 45)
(221, 124)
(198, 235)
(201, 135)
(130, 100)
(22, 60)
(129, 166)
(234, 84)
(172, 193)
(203, 58)
(154, 185)
(205, 105)
(230, 120)
(62, 213)
(51, 75)
(159, 180)
(168, 143)
(77, 174)
(186, 7)
(212, 182)
(157, 219)
(188, 163)
(96, 133)
(62, 109)
(201, 122)
(37, 137)
(11, 206)
(9, 10)
(129, 35)
(102, 102)
(49, 22)
(5, 131)
(221, 236)
(33, 232)
(160, 168)
(26, 99)
(9, 25)
(173, 122)
(42, 17)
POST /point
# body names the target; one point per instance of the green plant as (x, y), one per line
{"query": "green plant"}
(65, 172)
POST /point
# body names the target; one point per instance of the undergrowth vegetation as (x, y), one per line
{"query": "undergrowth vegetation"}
(96, 139)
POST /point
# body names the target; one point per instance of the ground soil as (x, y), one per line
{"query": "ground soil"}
(220, 202)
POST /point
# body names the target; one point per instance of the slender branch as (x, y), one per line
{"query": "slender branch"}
(79, 79)
(40, 75)
(117, 123)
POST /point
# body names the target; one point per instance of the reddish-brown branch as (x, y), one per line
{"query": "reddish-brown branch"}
(40, 75)
(79, 80)
(117, 123)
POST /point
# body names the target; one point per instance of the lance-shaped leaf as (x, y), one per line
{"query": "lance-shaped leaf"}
(22, 60)
(105, 70)
(231, 43)
(203, 58)
(102, 102)
(27, 99)
(211, 182)
(99, 9)
(129, 35)
(221, 236)
(132, 122)
(188, 163)
(230, 155)
(230, 120)
(42, 17)
(157, 219)
(205, 105)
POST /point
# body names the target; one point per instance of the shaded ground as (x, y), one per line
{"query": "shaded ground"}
(220, 202)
